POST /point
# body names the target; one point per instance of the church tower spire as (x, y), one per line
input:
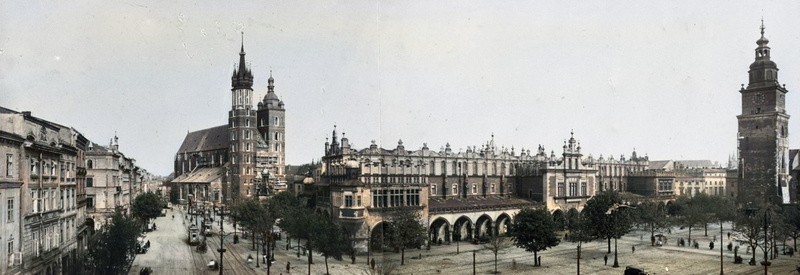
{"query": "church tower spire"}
(242, 76)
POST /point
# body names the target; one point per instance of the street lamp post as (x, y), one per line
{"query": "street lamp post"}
(221, 240)
(766, 262)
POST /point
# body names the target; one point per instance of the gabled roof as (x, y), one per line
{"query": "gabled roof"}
(201, 175)
(660, 164)
(205, 140)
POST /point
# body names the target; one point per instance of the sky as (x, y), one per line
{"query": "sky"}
(658, 76)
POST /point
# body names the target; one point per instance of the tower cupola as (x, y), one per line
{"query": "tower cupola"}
(763, 71)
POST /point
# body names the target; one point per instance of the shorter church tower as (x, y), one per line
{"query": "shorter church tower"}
(272, 129)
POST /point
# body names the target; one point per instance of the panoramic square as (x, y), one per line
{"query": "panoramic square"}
(412, 137)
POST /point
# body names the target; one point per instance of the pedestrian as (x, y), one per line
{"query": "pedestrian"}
(711, 245)
(605, 259)
(288, 266)
(372, 264)
(729, 235)
(633, 249)
(540, 260)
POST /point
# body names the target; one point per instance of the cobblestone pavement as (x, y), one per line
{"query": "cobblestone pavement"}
(443, 259)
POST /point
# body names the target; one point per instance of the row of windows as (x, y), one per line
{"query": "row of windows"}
(348, 201)
(395, 198)
(276, 121)
(573, 189)
(47, 199)
(395, 179)
(492, 189)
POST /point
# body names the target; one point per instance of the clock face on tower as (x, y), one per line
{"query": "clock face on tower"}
(759, 98)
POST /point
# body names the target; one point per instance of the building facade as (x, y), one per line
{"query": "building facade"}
(111, 181)
(763, 133)
(42, 218)
(461, 195)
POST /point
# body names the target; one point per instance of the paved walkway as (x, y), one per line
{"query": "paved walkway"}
(168, 252)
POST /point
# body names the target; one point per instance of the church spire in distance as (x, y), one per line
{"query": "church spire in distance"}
(242, 77)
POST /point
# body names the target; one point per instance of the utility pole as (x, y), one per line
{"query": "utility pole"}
(579, 259)
(221, 239)
(473, 262)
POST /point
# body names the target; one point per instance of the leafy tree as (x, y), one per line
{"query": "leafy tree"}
(533, 230)
(113, 247)
(690, 212)
(573, 218)
(560, 219)
(496, 244)
(651, 216)
(147, 206)
(406, 231)
(296, 223)
(605, 217)
(328, 239)
(749, 225)
(791, 222)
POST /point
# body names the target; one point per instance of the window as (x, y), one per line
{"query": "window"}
(90, 202)
(358, 200)
(9, 165)
(561, 189)
(276, 120)
(89, 182)
(492, 188)
(474, 189)
(573, 189)
(35, 166)
(348, 201)
(455, 189)
(433, 189)
(247, 123)
(10, 251)
(10, 211)
(276, 136)
(583, 189)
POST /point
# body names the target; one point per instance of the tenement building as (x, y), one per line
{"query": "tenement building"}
(669, 178)
(460, 194)
(40, 184)
(243, 158)
(763, 133)
(112, 181)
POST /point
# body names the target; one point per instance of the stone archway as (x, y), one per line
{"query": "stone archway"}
(560, 219)
(378, 236)
(502, 224)
(462, 229)
(439, 231)
(483, 226)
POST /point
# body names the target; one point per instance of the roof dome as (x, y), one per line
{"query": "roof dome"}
(308, 180)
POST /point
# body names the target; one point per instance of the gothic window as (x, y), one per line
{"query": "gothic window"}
(276, 121)
(247, 123)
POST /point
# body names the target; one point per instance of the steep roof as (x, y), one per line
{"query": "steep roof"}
(205, 140)
(660, 164)
(201, 175)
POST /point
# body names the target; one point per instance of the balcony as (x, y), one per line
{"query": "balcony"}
(351, 214)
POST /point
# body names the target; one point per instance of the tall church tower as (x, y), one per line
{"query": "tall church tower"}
(763, 133)
(272, 128)
(242, 130)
